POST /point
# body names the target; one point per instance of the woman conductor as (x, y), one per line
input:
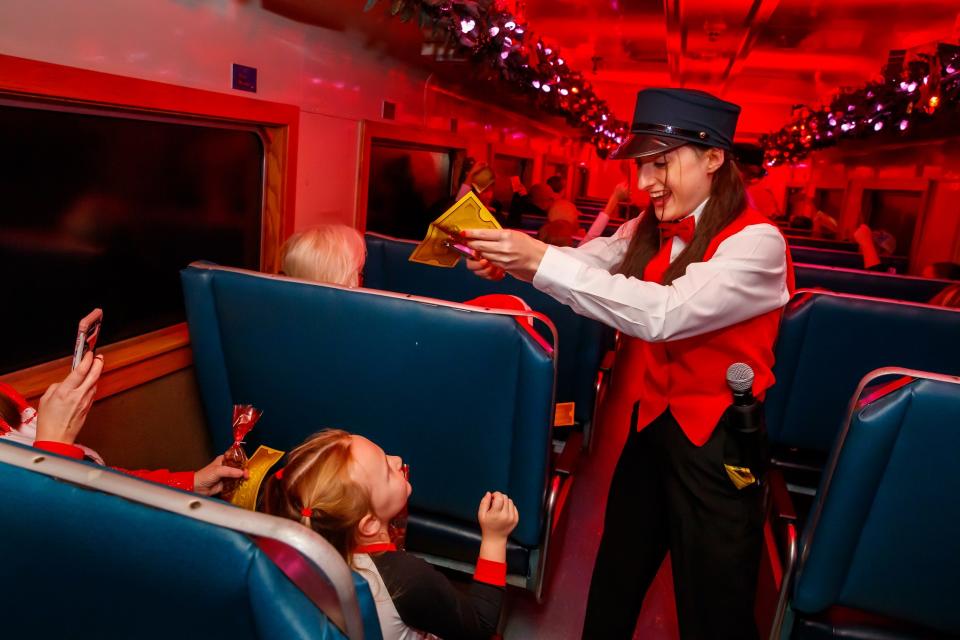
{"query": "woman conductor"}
(696, 283)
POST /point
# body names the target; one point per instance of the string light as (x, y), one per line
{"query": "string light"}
(920, 99)
(491, 36)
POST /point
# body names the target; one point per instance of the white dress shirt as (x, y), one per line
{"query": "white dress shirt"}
(747, 276)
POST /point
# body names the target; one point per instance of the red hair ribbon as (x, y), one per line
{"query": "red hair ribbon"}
(306, 512)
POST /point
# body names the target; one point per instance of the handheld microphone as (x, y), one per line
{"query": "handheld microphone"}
(740, 381)
(745, 414)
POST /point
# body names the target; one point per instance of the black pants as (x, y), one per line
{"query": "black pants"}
(668, 494)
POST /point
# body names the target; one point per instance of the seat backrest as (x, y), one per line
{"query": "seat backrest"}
(828, 342)
(827, 257)
(821, 243)
(883, 537)
(88, 552)
(868, 283)
(582, 342)
(844, 259)
(464, 395)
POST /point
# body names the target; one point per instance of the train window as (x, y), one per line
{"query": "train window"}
(102, 209)
(796, 197)
(830, 201)
(581, 180)
(893, 211)
(409, 186)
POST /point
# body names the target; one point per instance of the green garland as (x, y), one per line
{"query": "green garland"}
(489, 35)
(921, 101)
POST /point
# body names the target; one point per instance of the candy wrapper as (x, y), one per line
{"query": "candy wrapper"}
(244, 417)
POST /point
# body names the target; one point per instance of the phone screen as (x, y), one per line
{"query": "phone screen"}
(462, 249)
(87, 332)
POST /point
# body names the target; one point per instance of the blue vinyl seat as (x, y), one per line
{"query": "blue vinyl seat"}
(464, 395)
(828, 342)
(838, 258)
(582, 342)
(881, 554)
(868, 283)
(91, 553)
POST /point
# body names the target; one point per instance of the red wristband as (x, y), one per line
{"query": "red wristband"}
(491, 572)
(60, 448)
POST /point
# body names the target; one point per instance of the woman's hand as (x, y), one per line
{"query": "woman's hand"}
(485, 269)
(64, 407)
(512, 251)
(209, 480)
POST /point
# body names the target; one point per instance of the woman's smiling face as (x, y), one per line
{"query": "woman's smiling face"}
(679, 180)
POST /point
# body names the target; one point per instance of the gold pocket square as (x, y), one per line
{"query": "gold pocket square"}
(740, 476)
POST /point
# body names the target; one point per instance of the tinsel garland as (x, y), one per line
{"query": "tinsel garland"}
(489, 34)
(919, 100)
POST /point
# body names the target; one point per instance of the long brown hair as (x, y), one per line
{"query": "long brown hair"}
(728, 199)
(317, 478)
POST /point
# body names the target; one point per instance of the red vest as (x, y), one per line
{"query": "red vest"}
(689, 375)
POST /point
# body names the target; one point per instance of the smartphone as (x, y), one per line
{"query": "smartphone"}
(483, 179)
(87, 332)
(462, 249)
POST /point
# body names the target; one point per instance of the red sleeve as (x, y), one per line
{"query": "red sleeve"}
(491, 572)
(176, 479)
(14, 395)
(60, 448)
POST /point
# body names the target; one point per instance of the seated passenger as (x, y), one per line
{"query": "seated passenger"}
(949, 297)
(480, 179)
(563, 209)
(63, 409)
(346, 489)
(335, 254)
(535, 201)
(559, 233)
(942, 270)
(329, 253)
(620, 194)
(871, 256)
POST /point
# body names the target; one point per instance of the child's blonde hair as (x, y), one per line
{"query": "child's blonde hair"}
(316, 481)
(330, 253)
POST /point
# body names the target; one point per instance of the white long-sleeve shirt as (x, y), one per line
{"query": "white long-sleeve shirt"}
(747, 276)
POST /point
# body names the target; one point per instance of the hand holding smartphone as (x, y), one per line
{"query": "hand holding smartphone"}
(87, 332)
(462, 249)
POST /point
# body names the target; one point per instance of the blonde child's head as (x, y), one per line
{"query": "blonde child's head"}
(330, 253)
(342, 486)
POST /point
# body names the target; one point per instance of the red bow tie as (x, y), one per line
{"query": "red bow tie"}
(683, 228)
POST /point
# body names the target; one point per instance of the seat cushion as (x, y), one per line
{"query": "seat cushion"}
(439, 536)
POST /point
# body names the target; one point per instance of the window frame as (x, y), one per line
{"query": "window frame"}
(138, 360)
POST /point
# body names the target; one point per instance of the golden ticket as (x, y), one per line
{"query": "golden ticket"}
(467, 213)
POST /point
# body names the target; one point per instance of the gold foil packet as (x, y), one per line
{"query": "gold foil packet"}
(258, 467)
(467, 213)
